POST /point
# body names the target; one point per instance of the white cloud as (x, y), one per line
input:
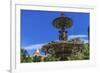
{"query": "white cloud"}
(38, 46)
(35, 46)
(85, 41)
(77, 36)
(82, 37)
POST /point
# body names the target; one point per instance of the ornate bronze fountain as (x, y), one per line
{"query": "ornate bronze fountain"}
(62, 48)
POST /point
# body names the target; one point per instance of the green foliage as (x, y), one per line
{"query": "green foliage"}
(86, 51)
(28, 59)
(36, 58)
(25, 57)
(51, 58)
(81, 55)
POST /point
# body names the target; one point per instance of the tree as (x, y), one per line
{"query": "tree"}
(36, 58)
(81, 55)
(24, 55)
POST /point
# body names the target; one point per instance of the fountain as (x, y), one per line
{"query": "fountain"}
(63, 48)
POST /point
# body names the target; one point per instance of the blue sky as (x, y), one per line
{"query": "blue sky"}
(37, 28)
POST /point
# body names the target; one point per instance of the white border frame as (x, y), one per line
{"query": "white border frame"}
(15, 47)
